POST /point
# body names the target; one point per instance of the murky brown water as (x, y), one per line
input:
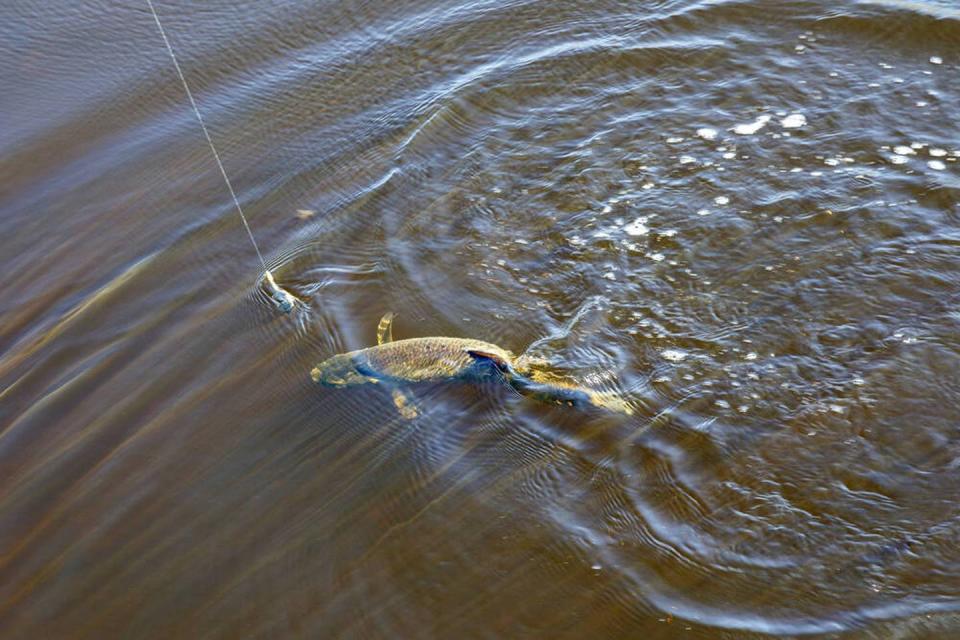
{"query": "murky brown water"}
(743, 216)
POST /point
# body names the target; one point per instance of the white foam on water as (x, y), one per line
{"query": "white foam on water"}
(794, 121)
(936, 165)
(656, 257)
(703, 212)
(674, 355)
(937, 153)
(753, 127)
(638, 227)
(721, 200)
(707, 133)
(687, 159)
(936, 60)
(898, 160)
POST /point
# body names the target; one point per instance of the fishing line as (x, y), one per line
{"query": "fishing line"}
(284, 299)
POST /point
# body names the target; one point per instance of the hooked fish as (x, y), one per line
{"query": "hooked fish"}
(438, 359)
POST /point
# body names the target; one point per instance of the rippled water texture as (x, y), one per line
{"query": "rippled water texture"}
(741, 216)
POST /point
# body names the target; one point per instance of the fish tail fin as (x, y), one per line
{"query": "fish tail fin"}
(611, 402)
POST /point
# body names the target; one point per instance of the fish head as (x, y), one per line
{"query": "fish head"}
(339, 371)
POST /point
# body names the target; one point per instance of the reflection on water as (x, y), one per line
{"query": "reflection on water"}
(742, 216)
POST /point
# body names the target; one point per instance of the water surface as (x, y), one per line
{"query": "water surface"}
(743, 216)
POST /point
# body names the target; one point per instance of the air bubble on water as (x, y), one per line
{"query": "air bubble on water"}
(936, 60)
(707, 133)
(918, 145)
(751, 356)
(898, 160)
(674, 140)
(816, 173)
(722, 200)
(799, 47)
(921, 103)
(794, 121)
(729, 155)
(662, 379)
(674, 355)
(936, 165)
(521, 241)
(833, 74)
(937, 153)
(743, 408)
(638, 227)
(669, 233)
(703, 212)
(656, 257)
(903, 150)
(859, 381)
(610, 275)
(723, 404)
(753, 127)
(831, 162)
(884, 65)
(687, 159)
(607, 209)
(596, 567)
(647, 185)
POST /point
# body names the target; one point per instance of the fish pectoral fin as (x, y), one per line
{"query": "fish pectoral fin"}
(385, 328)
(405, 404)
(363, 368)
(496, 359)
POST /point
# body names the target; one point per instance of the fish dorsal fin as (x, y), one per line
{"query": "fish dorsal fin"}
(385, 328)
(498, 360)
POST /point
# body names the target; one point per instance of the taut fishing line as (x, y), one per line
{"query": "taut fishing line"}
(284, 299)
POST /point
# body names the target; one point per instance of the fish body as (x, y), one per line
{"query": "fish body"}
(412, 360)
(439, 359)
